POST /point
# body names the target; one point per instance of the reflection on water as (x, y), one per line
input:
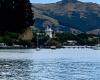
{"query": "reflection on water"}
(60, 69)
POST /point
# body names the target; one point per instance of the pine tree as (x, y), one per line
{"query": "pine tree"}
(15, 15)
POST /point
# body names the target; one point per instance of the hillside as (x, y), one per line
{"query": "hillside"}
(68, 14)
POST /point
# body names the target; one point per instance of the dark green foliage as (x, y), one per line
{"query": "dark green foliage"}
(42, 39)
(24, 43)
(15, 15)
(63, 37)
(82, 39)
(12, 35)
(53, 42)
(9, 38)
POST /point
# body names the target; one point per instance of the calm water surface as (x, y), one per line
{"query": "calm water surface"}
(49, 65)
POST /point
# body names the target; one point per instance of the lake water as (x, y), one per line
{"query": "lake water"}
(47, 64)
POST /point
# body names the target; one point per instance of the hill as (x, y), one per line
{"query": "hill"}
(67, 14)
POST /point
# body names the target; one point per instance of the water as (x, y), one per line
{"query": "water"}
(61, 64)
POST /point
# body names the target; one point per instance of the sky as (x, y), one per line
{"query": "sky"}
(52, 1)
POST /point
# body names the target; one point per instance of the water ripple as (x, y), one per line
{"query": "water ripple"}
(48, 70)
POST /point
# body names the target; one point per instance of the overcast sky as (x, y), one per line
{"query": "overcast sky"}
(51, 1)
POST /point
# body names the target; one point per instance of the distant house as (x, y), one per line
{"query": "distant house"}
(3, 45)
(49, 32)
(71, 42)
(17, 46)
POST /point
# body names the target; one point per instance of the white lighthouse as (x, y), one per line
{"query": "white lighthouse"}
(49, 32)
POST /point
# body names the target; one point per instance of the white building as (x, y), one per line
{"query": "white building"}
(71, 42)
(49, 32)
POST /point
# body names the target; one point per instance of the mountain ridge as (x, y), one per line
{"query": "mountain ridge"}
(70, 14)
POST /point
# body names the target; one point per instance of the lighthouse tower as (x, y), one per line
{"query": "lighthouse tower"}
(49, 32)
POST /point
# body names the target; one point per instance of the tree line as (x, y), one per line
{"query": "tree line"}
(15, 15)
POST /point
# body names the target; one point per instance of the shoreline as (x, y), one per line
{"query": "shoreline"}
(47, 47)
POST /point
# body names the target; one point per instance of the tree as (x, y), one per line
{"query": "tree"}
(15, 15)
